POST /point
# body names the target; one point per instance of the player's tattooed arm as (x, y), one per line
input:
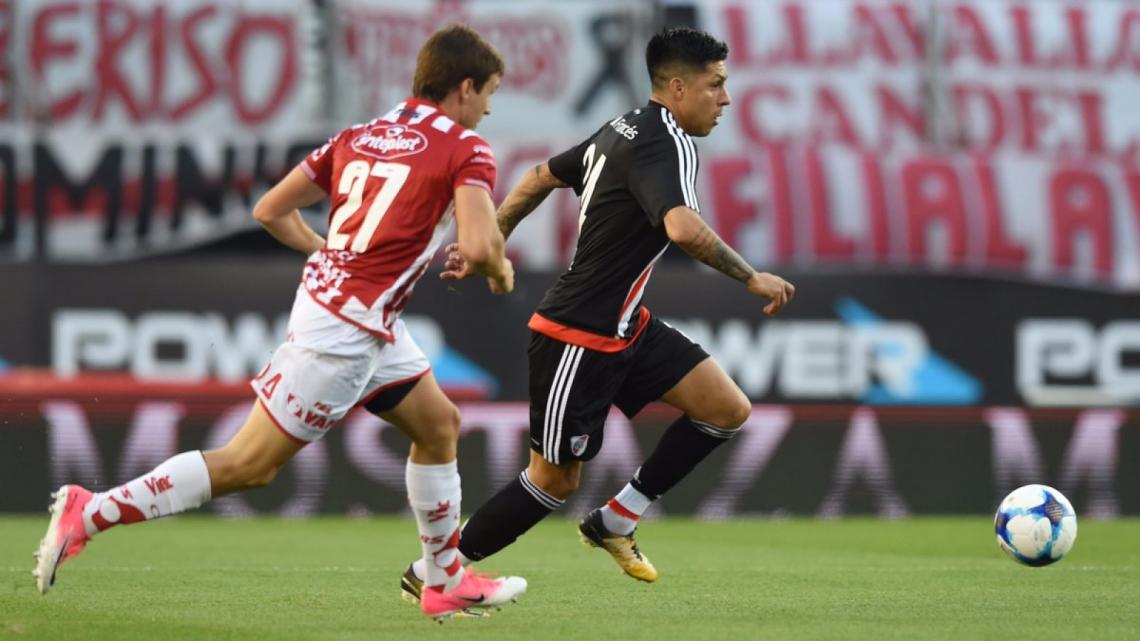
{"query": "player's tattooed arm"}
(526, 196)
(688, 230)
(708, 248)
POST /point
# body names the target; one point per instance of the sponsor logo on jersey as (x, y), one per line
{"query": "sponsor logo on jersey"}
(386, 142)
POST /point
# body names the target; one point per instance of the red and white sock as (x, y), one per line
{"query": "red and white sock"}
(179, 483)
(419, 566)
(434, 494)
(623, 511)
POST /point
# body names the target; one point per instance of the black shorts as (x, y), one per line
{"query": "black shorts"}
(572, 387)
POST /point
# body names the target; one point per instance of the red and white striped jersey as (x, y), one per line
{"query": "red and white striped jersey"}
(392, 183)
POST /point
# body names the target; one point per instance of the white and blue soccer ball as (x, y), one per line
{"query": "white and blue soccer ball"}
(1035, 525)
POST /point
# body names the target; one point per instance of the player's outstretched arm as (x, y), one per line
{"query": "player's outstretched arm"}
(278, 211)
(480, 246)
(528, 194)
(690, 232)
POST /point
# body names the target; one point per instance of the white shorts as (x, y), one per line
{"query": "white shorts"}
(327, 366)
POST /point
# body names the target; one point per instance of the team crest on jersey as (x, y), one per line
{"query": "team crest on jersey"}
(385, 142)
(578, 444)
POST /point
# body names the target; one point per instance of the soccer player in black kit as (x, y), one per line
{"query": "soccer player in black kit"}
(593, 344)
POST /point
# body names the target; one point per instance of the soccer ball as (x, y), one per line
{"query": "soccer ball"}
(1035, 525)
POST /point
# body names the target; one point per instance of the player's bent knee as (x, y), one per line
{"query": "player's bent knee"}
(729, 414)
(738, 412)
(556, 481)
(560, 486)
(452, 422)
(441, 429)
(734, 410)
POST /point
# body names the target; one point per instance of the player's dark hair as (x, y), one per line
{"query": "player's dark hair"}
(690, 49)
(450, 56)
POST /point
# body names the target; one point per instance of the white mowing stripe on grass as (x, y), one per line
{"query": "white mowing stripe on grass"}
(244, 568)
(102, 568)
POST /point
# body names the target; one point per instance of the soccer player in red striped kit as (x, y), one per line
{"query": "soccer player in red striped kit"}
(395, 185)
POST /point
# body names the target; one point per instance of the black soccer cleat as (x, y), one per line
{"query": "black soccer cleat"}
(411, 586)
(623, 549)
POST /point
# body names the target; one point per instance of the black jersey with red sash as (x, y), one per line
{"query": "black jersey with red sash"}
(628, 175)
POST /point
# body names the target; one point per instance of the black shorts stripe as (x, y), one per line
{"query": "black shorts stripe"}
(558, 412)
(550, 401)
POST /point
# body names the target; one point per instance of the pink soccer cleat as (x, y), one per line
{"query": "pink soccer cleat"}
(66, 537)
(473, 592)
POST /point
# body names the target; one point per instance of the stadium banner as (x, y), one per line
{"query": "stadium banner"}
(211, 67)
(825, 155)
(826, 461)
(962, 135)
(871, 338)
(129, 128)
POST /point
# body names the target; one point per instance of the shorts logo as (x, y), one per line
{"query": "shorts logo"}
(316, 416)
(578, 444)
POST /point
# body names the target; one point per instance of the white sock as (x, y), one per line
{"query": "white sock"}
(434, 494)
(179, 483)
(623, 511)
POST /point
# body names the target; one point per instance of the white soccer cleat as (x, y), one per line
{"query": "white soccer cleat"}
(475, 592)
(411, 587)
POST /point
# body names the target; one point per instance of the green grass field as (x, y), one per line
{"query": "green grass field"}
(336, 578)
